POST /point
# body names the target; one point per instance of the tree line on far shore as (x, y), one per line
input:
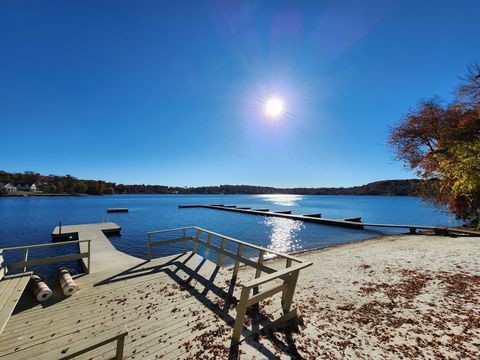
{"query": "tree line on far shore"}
(67, 184)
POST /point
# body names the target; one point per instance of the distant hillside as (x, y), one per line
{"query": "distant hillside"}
(68, 184)
(385, 187)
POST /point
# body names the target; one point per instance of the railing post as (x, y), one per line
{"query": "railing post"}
(184, 241)
(25, 258)
(287, 295)
(148, 247)
(259, 272)
(260, 262)
(209, 241)
(220, 256)
(120, 346)
(289, 262)
(241, 310)
(195, 244)
(89, 255)
(237, 262)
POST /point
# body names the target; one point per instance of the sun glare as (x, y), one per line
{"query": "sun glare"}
(274, 108)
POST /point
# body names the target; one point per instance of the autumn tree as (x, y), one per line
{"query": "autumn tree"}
(79, 187)
(441, 142)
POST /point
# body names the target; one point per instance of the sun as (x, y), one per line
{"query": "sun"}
(274, 107)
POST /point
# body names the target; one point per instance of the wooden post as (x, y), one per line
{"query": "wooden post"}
(89, 255)
(25, 258)
(260, 262)
(184, 241)
(237, 262)
(148, 247)
(220, 256)
(289, 262)
(3, 267)
(120, 346)
(195, 244)
(259, 272)
(241, 309)
(209, 241)
(287, 295)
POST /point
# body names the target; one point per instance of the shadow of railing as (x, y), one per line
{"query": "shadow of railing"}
(175, 267)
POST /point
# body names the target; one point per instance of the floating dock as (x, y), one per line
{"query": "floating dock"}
(352, 222)
(315, 218)
(115, 210)
(104, 256)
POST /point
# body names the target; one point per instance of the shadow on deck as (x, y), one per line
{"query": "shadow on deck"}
(224, 310)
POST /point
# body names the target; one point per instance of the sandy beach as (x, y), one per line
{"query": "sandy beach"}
(396, 297)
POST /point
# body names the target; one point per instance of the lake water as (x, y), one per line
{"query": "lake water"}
(30, 220)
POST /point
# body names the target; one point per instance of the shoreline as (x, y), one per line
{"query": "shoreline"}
(379, 237)
(32, 194)
(211, 194)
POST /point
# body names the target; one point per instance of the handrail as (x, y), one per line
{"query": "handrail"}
(276, 275)
(51, 259)
(253, 246)
(170, 230)
(289, 275)
(43, 245)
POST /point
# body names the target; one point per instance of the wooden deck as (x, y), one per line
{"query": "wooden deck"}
(173, 308)
(106, 228)
(104, 256)
(177, 307)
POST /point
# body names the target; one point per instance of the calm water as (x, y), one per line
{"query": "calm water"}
(30, 220)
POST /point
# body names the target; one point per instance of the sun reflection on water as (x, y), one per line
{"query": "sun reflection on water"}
(282, 199)
(284, 234)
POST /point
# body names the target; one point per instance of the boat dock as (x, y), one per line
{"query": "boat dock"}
(352, 222)
(182, 306)
(284, 214)
(104, 256)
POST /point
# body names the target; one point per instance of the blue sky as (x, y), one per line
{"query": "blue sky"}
(173, 92)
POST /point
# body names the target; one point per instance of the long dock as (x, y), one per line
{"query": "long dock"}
(104, 256)
(354, 222)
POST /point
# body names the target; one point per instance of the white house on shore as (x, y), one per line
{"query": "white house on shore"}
(9, 188)
(26, 187)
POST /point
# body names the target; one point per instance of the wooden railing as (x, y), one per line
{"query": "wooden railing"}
(288, 276)
(85, 346)
(48, 260)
